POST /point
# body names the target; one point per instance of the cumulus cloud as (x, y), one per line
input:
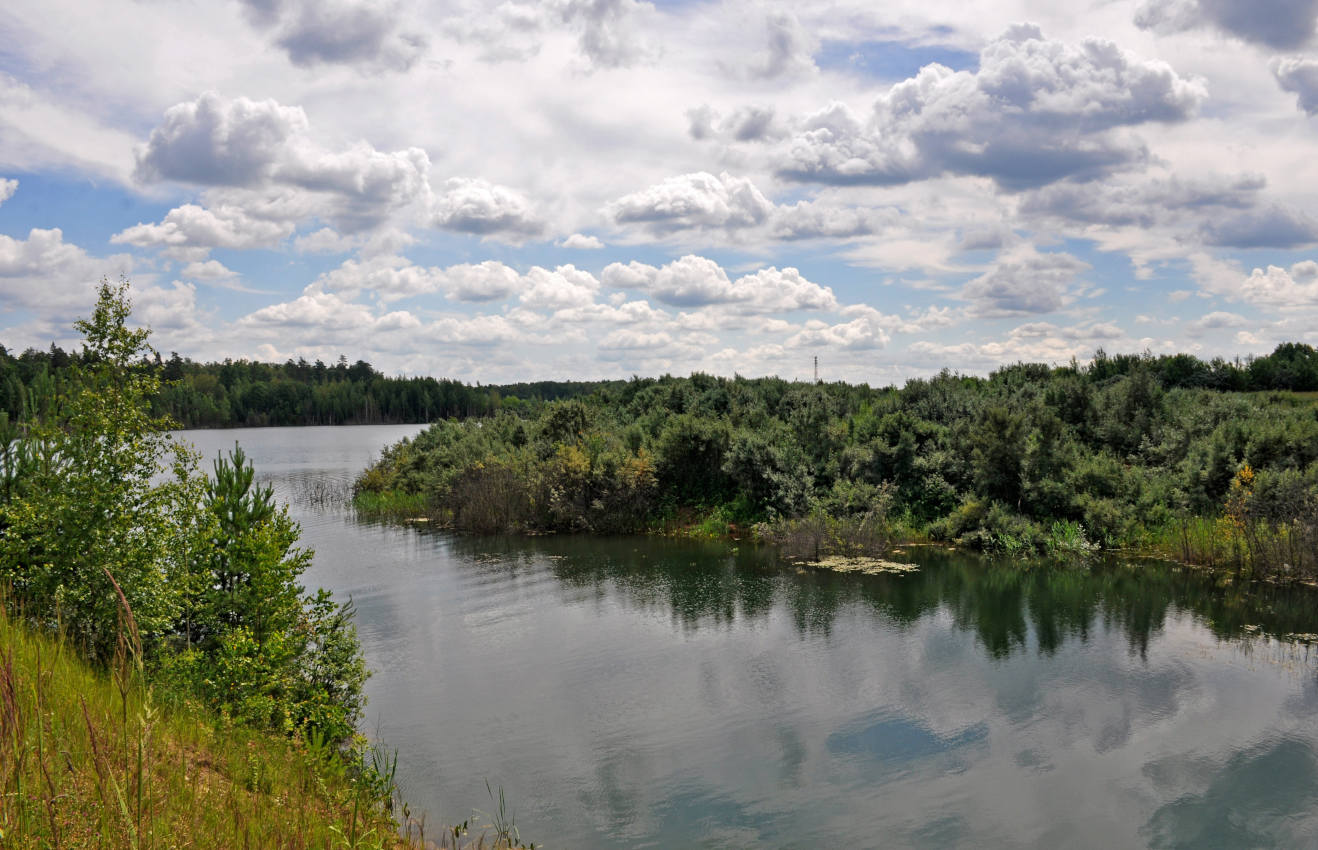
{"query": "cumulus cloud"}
(815, 220)
(1024, 281)
(1280, 287)
(696, 201)
(702, 202)
(582, 242)
(262, 145)
(857, 334)
(367, 33)
(693, 281)
(194, 227)
(1279, 24)
(1216, 321)
(219, 142)
(626, 339)
(1300, 76)
(1035, 111)
(389, 276)
(326, 240)
(7, 189)
(487, 281)
(565, 286)
(482, 208)
(208, 270)
(44, 272)
(318, 315)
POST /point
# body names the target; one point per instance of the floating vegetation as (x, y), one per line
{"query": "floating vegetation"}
(869, 566)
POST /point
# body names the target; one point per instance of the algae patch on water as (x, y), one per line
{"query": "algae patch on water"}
(869, 566)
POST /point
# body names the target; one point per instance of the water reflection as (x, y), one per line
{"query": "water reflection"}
(1009, 607)
(643, 692)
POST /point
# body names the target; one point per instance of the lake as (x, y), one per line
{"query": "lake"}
(640, 692)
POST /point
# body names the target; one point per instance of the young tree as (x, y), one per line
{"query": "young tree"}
(86, 492)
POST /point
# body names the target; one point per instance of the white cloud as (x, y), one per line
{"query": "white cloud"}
(43, 272)
(208, 270)
(326, 240)
(632, 340)
(7, 189)
(1036, 111)
(565, 286)
(861, 333)
(581, 242)
(218, 142)
(693, 281)
(389, 276)
(241, 143)
(479, 207)
(487, 281)
(695, 201)
(191, 226)
(1279, 287)
(817, 220)
(1024, 281)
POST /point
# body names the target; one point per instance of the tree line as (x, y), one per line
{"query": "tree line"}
(247, 393)
(238, 393)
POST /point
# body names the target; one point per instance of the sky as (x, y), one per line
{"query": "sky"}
(581, 189)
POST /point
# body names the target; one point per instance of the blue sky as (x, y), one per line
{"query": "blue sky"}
(575, 189)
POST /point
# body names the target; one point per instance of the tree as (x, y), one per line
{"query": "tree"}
(258, 648)
(92, 496)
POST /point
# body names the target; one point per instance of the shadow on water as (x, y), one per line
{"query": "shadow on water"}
(1010, 606)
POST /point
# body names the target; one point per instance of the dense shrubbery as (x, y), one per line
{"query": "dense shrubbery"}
(1129, 451)
(208, 566)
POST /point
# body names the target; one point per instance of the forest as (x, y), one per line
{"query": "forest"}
(245, 393)
(1206, 462)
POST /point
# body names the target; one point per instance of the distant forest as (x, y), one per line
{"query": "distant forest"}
(245, 393)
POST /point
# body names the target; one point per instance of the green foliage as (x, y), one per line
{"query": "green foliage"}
(84, 494)
(101, 514)
(1033, 459)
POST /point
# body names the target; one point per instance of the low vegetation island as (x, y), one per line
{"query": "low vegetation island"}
(1211, 463)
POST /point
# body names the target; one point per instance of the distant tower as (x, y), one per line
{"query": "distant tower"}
(816, 368)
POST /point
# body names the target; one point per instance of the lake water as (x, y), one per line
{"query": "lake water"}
(642, 692)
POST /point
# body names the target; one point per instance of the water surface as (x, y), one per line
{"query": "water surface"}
(638, 692)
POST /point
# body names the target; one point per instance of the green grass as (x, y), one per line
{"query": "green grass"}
(92, 758)
(390, 504)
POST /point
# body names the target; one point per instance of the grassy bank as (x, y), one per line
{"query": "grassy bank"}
(93, 758)
(97, 758)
